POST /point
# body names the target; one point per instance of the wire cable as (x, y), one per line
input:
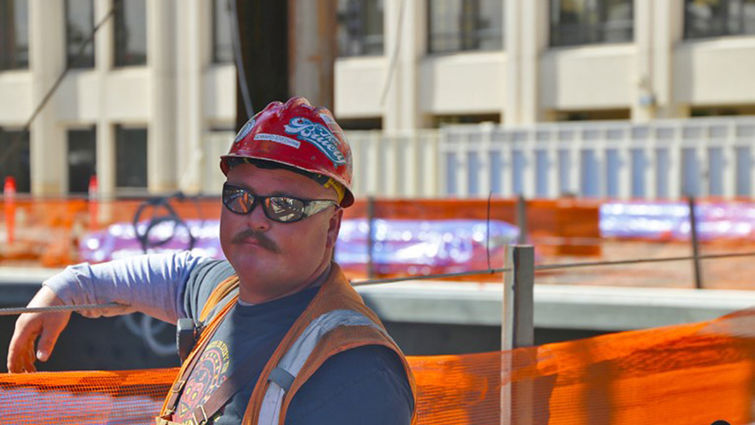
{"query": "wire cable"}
(639, 261)
(394, 56)
(240, 71)
(12, 311)
(430, 276)
(20, 310)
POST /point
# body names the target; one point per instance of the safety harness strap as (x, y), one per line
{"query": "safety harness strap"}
(178, 385)
(282, 378)
(284, 374)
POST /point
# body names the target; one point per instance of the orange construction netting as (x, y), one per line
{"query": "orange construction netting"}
(46, 231)
(686, 374)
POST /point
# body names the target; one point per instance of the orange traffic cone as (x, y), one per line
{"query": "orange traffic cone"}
(9, 200)
(93, 203)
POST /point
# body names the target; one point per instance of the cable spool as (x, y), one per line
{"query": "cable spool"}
(162, 212)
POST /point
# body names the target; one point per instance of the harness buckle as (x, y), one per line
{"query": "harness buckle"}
(195, 421)
(178, 386)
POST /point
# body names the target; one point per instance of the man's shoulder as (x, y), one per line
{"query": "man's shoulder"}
(370, 380)
(212, 271)
(350, 364)
(202, 281)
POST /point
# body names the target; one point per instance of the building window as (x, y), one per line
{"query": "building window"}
(576, 22)
(592, 115)
(82, 159)
(457, 25)
(714, 18)
(447, 120)
(14, 34)
(14, 158)
(360, 27)
(131, 157)
(222, 49)
(360, 124)
(79, 27)
(717, 111)
(130, 32)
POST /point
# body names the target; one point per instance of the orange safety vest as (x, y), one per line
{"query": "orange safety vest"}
(335, 321)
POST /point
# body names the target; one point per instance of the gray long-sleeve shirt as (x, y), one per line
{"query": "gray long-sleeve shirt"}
(365, 385)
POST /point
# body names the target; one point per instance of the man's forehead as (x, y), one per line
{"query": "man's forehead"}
(276, 180)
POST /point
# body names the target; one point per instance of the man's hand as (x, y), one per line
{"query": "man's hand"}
(30, 326)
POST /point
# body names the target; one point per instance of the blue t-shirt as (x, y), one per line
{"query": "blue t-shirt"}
(365, 385)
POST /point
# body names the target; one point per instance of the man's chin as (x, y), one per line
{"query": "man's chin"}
(251, 261)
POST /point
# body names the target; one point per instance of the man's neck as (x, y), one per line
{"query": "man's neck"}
(316, 282)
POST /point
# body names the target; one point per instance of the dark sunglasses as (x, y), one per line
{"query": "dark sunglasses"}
(283, 209)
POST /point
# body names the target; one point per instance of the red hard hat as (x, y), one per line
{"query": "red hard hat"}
(296, 134)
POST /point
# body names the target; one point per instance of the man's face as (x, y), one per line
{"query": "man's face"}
(276, 259)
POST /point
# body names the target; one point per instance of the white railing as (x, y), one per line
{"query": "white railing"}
(657, 160)
(399, 166)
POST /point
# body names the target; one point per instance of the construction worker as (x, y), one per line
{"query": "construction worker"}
(283, 337)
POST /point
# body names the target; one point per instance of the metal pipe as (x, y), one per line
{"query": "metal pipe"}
(694, 241)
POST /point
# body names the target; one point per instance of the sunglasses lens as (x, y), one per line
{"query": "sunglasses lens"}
(284, 209)
(237, 199)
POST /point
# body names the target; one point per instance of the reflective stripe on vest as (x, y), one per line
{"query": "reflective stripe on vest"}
(292, 362)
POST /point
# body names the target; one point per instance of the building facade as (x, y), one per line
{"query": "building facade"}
(420, 64)
(149, 103)
(138, 106)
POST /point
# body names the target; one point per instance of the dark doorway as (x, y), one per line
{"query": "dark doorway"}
(82, 159)
(15, 158)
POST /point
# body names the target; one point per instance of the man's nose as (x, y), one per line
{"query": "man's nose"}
(257, 219)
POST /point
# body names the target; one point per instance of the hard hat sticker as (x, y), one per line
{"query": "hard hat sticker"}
(277, 138)
(244, 130)
(318, 135)
(332, 124)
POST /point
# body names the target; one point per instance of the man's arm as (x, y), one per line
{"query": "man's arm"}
(151, 284)
(365, 385)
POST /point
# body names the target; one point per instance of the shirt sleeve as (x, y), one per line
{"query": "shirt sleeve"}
(365, 385)
(201, 281)
(152, 284)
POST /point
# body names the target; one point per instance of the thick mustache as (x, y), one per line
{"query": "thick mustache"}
(260, 237)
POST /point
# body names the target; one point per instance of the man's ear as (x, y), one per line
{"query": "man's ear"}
(334, 226)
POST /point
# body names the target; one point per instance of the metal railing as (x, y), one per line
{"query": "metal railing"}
(666, 159)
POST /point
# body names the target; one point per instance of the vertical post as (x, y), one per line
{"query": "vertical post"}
(370, 236)
(404, 29)
(507, 335)
(312, 49)
(694, 241)
(162, 169)
(517, 328)
(104, 55)
(521, 218)
(46, 61)
(522, 391)
(524, 282)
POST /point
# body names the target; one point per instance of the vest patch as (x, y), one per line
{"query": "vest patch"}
(211, 371)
